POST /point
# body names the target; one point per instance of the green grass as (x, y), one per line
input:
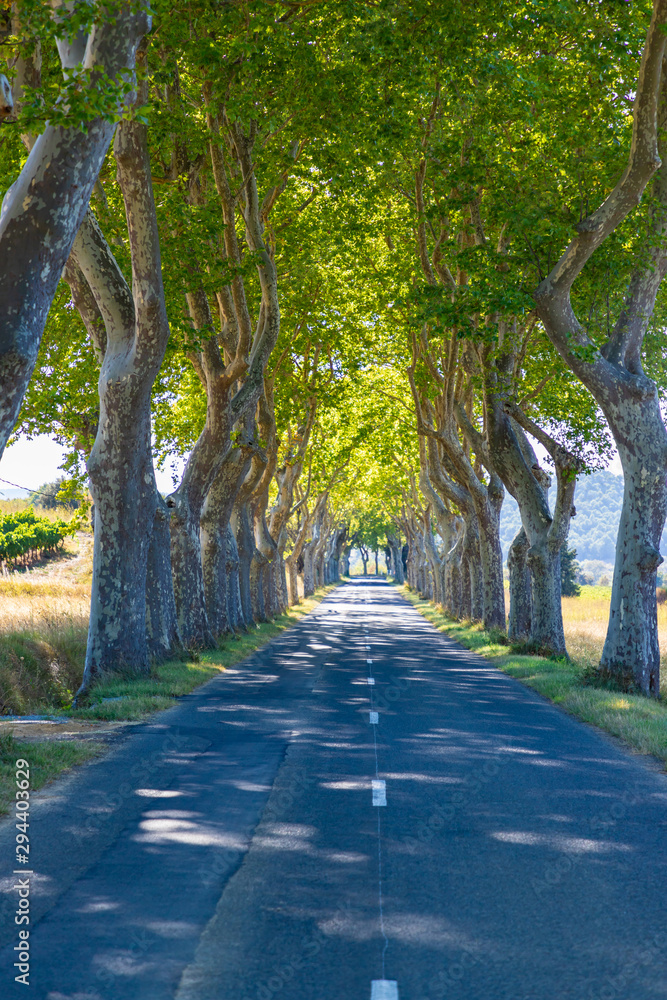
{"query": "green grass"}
(47, 761)
(134, 698)
(640, 722)
(140, 696)
(595, 592)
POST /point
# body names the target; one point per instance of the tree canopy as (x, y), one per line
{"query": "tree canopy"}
(369, 268)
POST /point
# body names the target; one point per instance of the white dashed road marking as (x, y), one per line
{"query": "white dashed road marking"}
(384, 989)
(371, 680)
(374, 718)
(379, 795)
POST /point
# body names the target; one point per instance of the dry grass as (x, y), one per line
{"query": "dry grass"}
(585, 621)
(43, 627)
(50, 513)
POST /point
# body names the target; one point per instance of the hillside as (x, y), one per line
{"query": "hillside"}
(598, 502)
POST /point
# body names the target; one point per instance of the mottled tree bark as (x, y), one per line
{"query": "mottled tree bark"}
(43, 209)
(215, 519)
(518, 626)
(203, 465)
(394, 544)
(234, 608)
(161, 623)
(515, 461)
(310, 547)
(120, 465)
(247, 354)
(245, 542)
(616, 378)
(296, 553)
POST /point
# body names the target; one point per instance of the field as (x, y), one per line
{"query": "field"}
(43, 623)
(585, 623)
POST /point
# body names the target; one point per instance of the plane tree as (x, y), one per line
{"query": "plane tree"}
(43, 208)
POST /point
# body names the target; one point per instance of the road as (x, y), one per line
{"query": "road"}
(362, 809)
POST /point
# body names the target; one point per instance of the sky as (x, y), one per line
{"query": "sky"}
(29, 464)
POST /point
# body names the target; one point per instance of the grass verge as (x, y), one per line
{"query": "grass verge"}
(128, 699)
(47, 761)
(640, 722)
(132, 698)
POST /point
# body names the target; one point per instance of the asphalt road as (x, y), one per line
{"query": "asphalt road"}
(270, 837)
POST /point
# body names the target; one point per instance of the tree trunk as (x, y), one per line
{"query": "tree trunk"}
(161, 621)
(519, 626)
(124, 515)
(308, 570)
(614, 373)
(516, 462)
(492, 585)
(435, 562)
(268, 550)
(631, 650)
(547, 618)
(396, 560)
(214, 564)
(234, 608)
(186, 562)
(120, 465)
(213, 535)
(246, 548)
(43, 210)
(293, 582)
(203, 466)
(258, 566)
(454, 595)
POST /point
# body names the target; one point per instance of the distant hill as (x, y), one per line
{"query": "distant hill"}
(13, 494)
(598, 501)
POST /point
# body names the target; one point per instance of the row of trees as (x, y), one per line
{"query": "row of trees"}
(499, 173)
(329, 260)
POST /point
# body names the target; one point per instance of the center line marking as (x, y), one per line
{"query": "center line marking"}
(379, 799)
(374, 718)
(384, 989)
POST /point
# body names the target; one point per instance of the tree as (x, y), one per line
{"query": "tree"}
(569, 570)
(48, 496)
(615, 375)
(43, 209)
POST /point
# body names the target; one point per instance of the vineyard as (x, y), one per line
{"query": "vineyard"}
(24, 536)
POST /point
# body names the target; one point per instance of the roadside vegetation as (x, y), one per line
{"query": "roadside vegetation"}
(47, 761)
(43, 629)
(640, 722)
